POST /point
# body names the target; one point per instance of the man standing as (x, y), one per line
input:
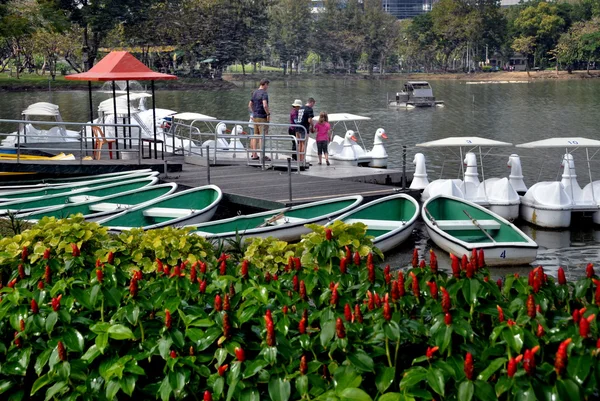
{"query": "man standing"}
(305, 117)
(259, 107)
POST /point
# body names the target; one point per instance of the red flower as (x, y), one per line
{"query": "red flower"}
(401, 288)
(560, 363)
(468, 368)
(40, 285)
(529, 360)
(166, 270)
(284, 309)
(446, 303)
(191, 351)
(110, 259)
(433, 263)
(357, 316)
(576, 316)
(75, 250)
(218, 303)
(302, 326)
(202, 266)
(481, 259)
(597, 294)
(22, 324)
(223, 268)
(240, 354)
(584, 326)
(222, 369)
(47, 254)
(433, 289)
(430, 351)
(395, 292)
(470, 270)
(347, 312)
(302, 290)
(275, 277)
(202, 286)
(415, 285)
(173, 354)
(422, 264)
(343, 263)
(24, 254)
(370, 258)
(371, 270)
(297, 264)
(99, 275)
(34, 307)
(328, 234)
(244, 271)
(387, 311)
(500, 314)
(448, 319)
(133, 287)
(56, 303)
(561, 276)
(499, 284)
(540, 331)
(137, 274)
(512, 365)
(159, 266)
(18, 341)
(357, 258)
(348, 253)
(303, 365)
(415, 258)
(226, 326)
(386, 274)
(270, 329)
(193, 273)
(21, 271)
(530, 306)
(589, 270)
(340, 331)
(226, 304)
(371, 300)
(12, 283)
(463, 262)
(207, 396)
(62, 352)
(377, 300)
(167, 319)
(455, 266)
(473, 259)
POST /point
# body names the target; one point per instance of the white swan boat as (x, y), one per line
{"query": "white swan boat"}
(551, 203)
(497, 194)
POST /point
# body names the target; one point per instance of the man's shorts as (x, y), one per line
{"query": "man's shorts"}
(259, 128)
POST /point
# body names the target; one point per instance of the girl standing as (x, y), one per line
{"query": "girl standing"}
(323, 138)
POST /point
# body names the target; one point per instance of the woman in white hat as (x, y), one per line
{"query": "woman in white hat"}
(292, 130)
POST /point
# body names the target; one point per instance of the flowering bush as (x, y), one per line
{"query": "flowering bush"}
(85, 315)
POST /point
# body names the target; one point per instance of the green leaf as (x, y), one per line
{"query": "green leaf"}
(57, 389)
(92, 353)
(327, 332)
(73, 340)
(413, 377)
(279, 389)
(51, 321)
(42, 360)
(41, 381)
(112, 388)
(491, 369)
(345, 377)
(6, 385)
(384, 378)
(250, 394)
(127, 384)
(302, 384)
(102, 341)
(355, 394)
(165, 389)
(579, 367)
(361, 361)
(435, 378)
(120, 332)
(568, 390)
(254, 367)
(465, 391)
(484, 391)
(513, 337)
(503, 385)
(392, 397)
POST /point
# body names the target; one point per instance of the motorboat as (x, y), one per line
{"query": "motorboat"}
(497, 194)
(415, 94)
(551, 203)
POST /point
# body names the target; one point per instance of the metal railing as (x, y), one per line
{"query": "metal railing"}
(86, 138)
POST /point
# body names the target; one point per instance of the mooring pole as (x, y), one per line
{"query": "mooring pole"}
(403, 166)
(289, 161)
(208, 164)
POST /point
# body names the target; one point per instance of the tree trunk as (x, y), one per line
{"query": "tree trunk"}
(527, 67)
(557, 68)
(243, 68)
(588, 66)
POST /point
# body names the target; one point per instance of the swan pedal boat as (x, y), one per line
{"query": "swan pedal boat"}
(94, 208)
(287, 224)
(390, 219)
(458, 226)
(195, 205)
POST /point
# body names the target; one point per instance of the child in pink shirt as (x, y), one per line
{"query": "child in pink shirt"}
(323, 130)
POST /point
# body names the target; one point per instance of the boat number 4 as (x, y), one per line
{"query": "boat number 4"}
(503, 254)
(573, 142)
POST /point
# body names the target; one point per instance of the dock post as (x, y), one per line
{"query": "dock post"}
(403, 166)
(208, 163)
(289, 161)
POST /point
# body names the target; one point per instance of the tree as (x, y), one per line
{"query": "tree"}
(289, 31)
(380, 33)
(526, 46)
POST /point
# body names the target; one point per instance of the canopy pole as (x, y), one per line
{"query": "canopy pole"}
(587, 155)
(482, 174)
(462, 167)
(91, 113)
(115, 119)
(154, 119)
(128, 114)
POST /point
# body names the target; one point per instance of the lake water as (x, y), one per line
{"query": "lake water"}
(516, 113)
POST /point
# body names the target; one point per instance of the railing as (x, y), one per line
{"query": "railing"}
(86, 138)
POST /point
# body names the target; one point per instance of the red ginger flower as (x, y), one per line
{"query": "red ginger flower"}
(433, 263)
(401, 288)
(561, 276)
(56, 303)
(335, 297)
(303, 365)
(422, 264)
(18, 341)
(75, 250)
(370, 258)
(133, 287)
(173, 354)
(62, 352)
(218, 303)
(34, 307)
(415, 258)
(302, 326)
(481, 259)
(47, 254)
(589, 270)
(159, 266)
(433, 289)
(576, 316)
(357, 314)
(21, 270)
(348, 253)
(356, 258)
(446, 303)
(223, 268)
(430, 351)
(328, 234)
(455, 266)
(222, 369)
(202, 286)
(463, 262)
(415, 285)
(40, 285)
(371, 300)
(347, 312)
(386, 274)
(560, 363)
(285, 309)
(24, 254)
(371, 271)
(244, 270)
(584, 325)
(207, 396)
(340, 331)
(473, 259)
(22, 324)
(202, 266)
(468, 367)
(226, 304)
(470, 270)
(167, 319)
(302, 290)
(530, 306)
(500, 314)
(270, 329)
(448, 319)
(12, 283)
(512, 365)
(499, 284)
(240, 354)
(193, 273)
(343, 264)
(540, 331)
(297, 264)
(395, 292)
(510, 322)
(226, 325)
(529, 360)
(110, 259)
(387, 311)
(99, 275)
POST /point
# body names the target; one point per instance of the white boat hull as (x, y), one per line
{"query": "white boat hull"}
(378, 162)
(510, 212)
(549, 218)
(388, 242)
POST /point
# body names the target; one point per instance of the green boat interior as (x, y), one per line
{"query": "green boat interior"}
(168, 209)
(135, 198)
(450, 216)
(241, 224)
(383, 217)
(59, 190)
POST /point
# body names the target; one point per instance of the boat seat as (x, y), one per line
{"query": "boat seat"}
(467, 224)
(286, 220)
(384, 225)
(167, 212)
(82, 198)
(108, 207)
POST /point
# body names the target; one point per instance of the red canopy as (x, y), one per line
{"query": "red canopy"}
(119, 66)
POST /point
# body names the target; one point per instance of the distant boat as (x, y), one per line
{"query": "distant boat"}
(287, 224)
(459, 226)
(191, 206)
(390, 219)
(95, 208)
(41, 202)
(415, 94)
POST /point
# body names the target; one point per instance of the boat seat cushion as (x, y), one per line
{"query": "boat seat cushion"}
(286, 220)
(372, 224)
(107, 207)
(82, 198)
(167, 212)
(467, 224)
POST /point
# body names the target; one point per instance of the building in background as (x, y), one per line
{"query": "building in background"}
(402, 9)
